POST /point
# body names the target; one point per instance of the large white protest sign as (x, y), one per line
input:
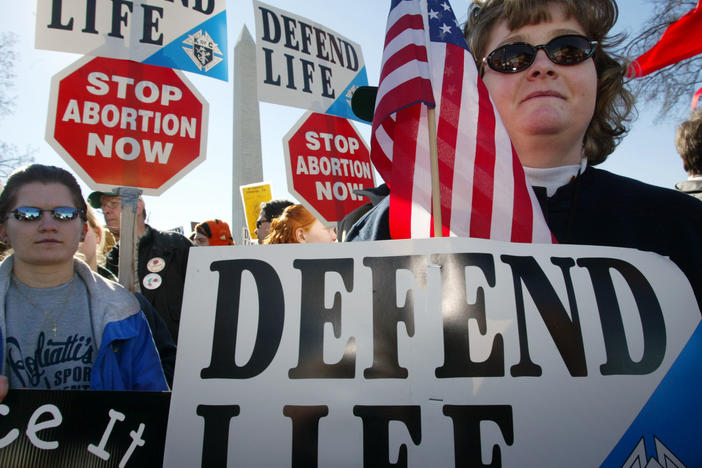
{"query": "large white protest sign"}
(436, 352)
(301, 63)
(190, 36)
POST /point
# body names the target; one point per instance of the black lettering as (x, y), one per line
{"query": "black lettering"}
(619, 360)
(215, 439)
(56, 17)
(291, 71)
(151, 25)
(457, 312)
(267, 36)
(307, 69)
(335, 49)
(466, 432)
(351, 57)
(271, 315)
(320, 36)
(326, 82)
(306, 34)
(305, 433)
(289, 28)
(313, 316)
(269, 68)
(386, 313)
(118, 18)
(90, 17)
(376, 436)
(206, 11)
(564, 330)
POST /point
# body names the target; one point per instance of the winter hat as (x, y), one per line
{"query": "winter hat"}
(217, 231)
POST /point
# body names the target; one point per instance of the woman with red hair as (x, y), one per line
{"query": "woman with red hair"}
(298, 226)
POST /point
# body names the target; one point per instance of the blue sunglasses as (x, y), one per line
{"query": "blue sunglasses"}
(60, 213)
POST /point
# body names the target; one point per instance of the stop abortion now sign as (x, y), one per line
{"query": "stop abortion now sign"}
(326, 161)
(120, 123)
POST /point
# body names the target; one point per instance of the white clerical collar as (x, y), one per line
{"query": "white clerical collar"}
(553, 178)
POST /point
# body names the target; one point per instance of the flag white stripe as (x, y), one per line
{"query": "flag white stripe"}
(503, 186)
(402, 40)
(463, 171)
(421, 189)
(399, 76)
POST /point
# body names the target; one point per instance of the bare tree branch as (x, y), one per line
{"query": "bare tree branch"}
(670, 89)
(11, 156)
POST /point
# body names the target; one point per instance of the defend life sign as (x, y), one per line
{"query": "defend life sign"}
(326, 159)
(119, 123)
(436, 352)
(187, 35)
(304, 64)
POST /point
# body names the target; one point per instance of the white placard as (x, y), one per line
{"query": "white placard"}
(304, 64)
(190, 36)
(442, 352)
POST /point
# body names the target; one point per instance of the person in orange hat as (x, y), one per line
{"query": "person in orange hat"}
(213, 232)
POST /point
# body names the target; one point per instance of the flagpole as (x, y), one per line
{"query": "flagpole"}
(434, 160)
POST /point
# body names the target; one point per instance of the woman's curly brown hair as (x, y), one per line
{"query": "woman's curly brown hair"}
(614, 102)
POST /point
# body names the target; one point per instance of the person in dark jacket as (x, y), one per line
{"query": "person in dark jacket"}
(162, 258)
(563, 119)
(90, 249)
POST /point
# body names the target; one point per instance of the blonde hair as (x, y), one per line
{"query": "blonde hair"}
(99, 231)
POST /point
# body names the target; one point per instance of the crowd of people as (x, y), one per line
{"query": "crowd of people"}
(560, 93)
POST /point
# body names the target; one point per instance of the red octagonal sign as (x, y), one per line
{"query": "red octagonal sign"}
(326, 160)
(120, 123)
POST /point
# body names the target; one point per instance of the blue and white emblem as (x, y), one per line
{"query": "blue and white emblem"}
(202, 50)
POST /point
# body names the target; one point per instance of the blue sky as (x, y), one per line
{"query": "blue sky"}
(647, 153)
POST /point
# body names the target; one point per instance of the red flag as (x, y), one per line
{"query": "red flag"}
(696, 99)
(682, 39)
(483, 190)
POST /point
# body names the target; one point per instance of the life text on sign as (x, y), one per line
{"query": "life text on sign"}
(353, 355)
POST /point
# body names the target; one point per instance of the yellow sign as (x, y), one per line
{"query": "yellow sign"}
(252, 196)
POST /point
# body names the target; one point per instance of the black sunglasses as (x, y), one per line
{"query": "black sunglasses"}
(32, 213)
(569, 49)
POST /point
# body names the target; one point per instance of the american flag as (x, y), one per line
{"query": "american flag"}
(483, 190)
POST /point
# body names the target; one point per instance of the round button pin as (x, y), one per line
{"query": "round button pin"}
(152, 281)
(156, 264)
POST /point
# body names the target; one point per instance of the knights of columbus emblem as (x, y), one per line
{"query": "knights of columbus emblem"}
(666, 458)
(202, 50)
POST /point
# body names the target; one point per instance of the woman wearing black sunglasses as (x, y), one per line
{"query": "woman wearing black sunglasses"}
(560, 93)
(54, 307)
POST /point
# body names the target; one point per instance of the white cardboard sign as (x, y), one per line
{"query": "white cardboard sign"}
(304, 64)
(435, 352)
(190, 36)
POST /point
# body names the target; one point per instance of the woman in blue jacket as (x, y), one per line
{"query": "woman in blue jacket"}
(62, 326)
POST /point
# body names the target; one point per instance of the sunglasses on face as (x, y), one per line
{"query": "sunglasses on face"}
(32, 213)
(569, 49)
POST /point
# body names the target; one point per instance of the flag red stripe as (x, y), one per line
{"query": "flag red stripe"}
(407, 54)
(523, 214)
(405, 94)
(481, 211)
(401, 25)
(447, 131)
(405, 137)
